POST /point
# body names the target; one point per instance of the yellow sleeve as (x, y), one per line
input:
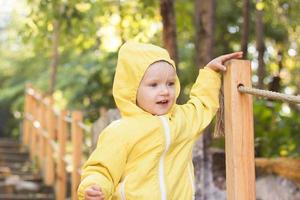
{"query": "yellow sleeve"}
(203, 103)
(106, 164)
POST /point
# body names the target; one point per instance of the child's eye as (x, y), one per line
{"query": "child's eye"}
(171, 83)
(153, 84)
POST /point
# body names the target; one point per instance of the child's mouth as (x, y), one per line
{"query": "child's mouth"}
(163, 102)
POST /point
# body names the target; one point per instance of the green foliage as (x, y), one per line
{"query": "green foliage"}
(228, 25)
(276, 129)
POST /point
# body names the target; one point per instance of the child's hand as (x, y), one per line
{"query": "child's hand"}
(217, 64)
(93, 193)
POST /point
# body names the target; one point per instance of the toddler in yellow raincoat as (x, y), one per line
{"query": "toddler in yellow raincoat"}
(147, 154)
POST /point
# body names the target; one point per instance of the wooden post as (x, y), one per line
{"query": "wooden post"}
(77, 135)
(39, 136)
(34, 130)
(49, 170)
(29, 121)
(239, 137)
(42, 139)
(28, 137)
(61, 166)
(31, 127)
(26, 123)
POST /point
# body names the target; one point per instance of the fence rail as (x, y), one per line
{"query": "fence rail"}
(48, 133)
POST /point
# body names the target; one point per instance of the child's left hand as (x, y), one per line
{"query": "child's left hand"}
(217, 64)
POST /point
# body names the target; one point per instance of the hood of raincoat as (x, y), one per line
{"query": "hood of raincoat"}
(133, 60)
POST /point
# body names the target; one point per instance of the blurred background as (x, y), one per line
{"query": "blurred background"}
(68, 49)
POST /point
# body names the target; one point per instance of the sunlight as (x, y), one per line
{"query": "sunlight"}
(254, 64)
(83, 7)
(6, 8)
(292, 52)
(254, 79)
(233, 29)
(110, 39)
(154, 28)
(285, 109)
(109, 34)
(289, 90)
(251, 49)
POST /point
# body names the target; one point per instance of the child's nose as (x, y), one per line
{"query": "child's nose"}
(164, 90)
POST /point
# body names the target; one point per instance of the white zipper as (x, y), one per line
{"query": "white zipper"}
(192, 181)
(122, 189)
(162, 183)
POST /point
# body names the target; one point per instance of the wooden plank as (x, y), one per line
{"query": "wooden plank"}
(239, 137)
(33, 138)
(61, 166)
(28, 127)
(49, 170)
(25, 136)
(41, 139)
(27, 110)
(77, 136)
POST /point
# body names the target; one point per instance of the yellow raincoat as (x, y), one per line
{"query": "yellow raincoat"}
(145, 157)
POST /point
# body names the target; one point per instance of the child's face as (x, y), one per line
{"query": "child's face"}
(156, 92)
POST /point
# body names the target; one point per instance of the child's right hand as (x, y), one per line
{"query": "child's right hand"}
(217, 64)
(93, 193)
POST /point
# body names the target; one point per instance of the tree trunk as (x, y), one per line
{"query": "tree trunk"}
(204, 43)
(245, 28)
(260, 46)
(274, 85)
(169, 28)
(204, 25)
(55, 55)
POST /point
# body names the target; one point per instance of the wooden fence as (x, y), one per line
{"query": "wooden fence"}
(49, 134)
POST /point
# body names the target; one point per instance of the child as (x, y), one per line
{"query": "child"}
(148, 153)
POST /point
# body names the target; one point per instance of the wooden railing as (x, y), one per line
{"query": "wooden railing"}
(55, 142)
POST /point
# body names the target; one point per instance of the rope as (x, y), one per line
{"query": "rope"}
(270, 94)
(84, 127)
